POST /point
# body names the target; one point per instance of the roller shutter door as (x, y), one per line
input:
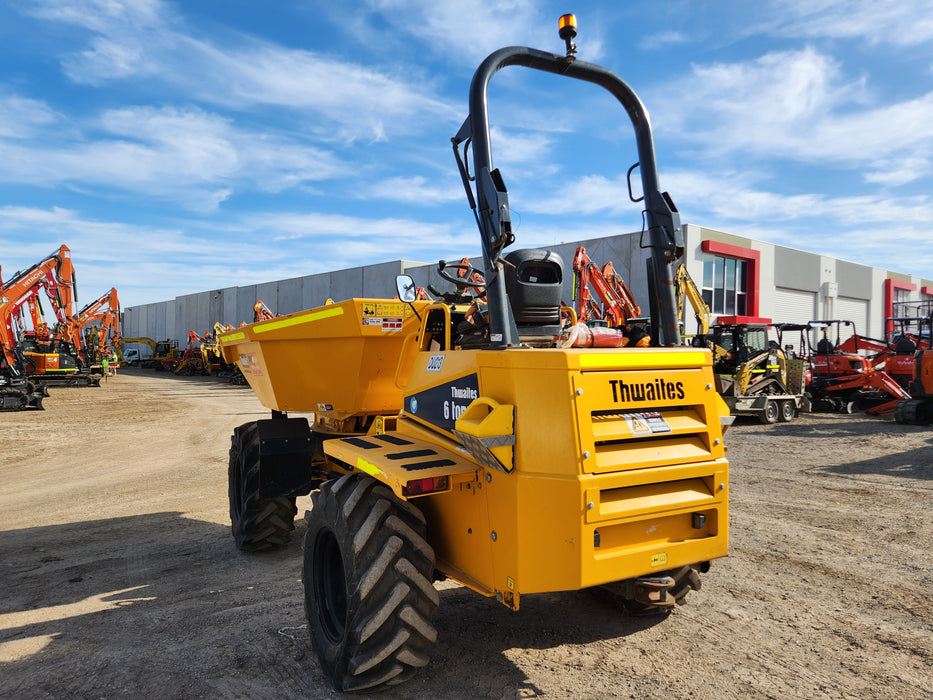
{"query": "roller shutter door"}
(855, 310)
(794, 306)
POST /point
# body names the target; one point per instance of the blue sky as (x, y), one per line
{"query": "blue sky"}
(177, 147)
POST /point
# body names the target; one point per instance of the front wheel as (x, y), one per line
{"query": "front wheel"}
(257, 522)
(367, 581)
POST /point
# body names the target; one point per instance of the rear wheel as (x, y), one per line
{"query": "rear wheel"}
(257, 523)
(769, 414)
(788, 411)
(367, 580)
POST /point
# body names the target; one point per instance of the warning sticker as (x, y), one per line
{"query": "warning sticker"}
(386, 324)
(385, 309)
(249, 364)
(652, 423)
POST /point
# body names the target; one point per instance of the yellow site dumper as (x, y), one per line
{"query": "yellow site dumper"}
(468, 438)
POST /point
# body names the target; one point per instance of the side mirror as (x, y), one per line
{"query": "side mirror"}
(406, 288)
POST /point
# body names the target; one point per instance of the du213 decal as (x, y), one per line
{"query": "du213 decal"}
(443, 404)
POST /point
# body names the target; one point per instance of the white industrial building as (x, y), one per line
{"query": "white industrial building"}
(739, 277)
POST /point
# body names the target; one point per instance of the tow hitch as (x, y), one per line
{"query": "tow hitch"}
(653, 591)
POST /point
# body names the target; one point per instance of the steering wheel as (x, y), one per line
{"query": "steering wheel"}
(460, 282)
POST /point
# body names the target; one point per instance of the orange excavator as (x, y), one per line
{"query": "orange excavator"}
(105, 310)
(612, 321)
(202, 356)
(918, 408)
(841, 380)
(616, 304)
(25, 365)
(896, 355)
(261, 312)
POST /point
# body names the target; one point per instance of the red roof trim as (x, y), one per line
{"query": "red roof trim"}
(732, 320)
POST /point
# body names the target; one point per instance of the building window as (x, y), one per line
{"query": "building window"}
(895, 290)
(725, 284)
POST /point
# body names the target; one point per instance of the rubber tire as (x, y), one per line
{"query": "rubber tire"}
(257, 523)
(367, 581)
(686, 579)
(914, 412)
(788, 411)
(769, 414)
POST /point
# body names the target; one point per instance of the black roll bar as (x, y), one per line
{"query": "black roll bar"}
(665, 236)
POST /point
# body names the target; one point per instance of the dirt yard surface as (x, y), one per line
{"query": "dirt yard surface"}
(118, 575)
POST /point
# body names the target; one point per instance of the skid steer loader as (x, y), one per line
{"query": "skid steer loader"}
(754, 375)
(462, 441)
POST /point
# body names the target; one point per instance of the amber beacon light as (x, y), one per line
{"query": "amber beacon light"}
(567, 30)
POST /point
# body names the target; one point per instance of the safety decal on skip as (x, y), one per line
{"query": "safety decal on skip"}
(388, 316)
(386, 324)
(249, 364)
(652, 423)
(385, 309)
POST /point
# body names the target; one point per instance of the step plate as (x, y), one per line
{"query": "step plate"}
(397, 459)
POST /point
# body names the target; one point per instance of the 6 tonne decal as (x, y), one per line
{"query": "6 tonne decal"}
(658, 390)
(442, 405)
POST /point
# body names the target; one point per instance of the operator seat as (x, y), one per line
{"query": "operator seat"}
(534, 288)
(905, 346)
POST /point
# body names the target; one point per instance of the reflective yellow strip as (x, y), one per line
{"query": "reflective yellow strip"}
(298, 320)
(643, 360)
(365, 466)
(233, 336)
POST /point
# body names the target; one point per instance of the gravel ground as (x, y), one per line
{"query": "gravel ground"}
(119, 576)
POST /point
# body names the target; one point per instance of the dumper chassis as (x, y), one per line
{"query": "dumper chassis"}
(462, 441)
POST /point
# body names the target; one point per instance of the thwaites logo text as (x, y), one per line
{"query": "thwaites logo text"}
(658, 390)
(442, 405)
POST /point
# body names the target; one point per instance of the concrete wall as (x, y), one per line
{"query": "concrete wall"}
(175, 318)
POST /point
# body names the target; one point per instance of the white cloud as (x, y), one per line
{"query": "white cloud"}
(663, 39)
(902, 23)
(900, 171)
(145, 263)
(99, 15)
(798, 105)
(874, 229)
(356, 101)
(340, 241)
(735, 197)
(415, 190)
(591, 194)
(470, 28)
(143, 40)
(22, 117)
(188, 156)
